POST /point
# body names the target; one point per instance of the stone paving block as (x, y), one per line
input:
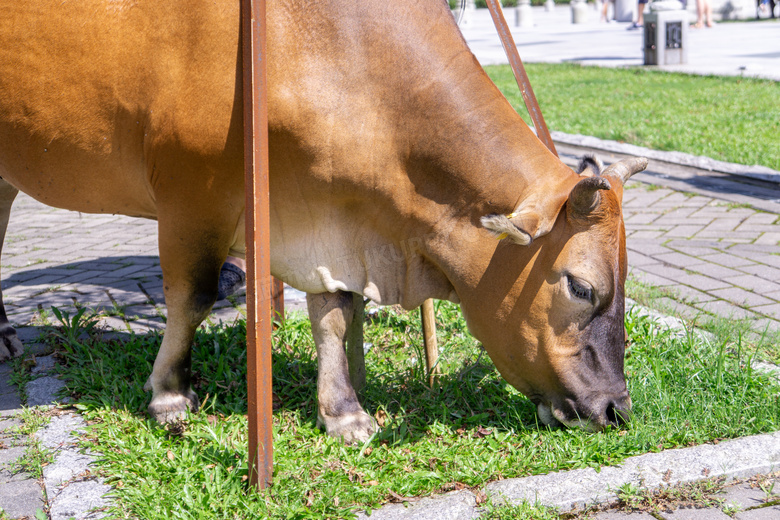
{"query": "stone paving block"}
(125, 297)
(694, 243)
(752, 227)
(763, 218)
(638, 259)
(644, 234)
(44, 391)
(764, 513)
(677, 259)
(113, 323)
(21, 499)
(728, 236)
(743, 495)
(146, 325)
(773, 311)
(763, 271)
(640, 218)
(10, 404)
(684, 231)
(767, 259)
(728, 260)
(741, 297)
(726, 310)
(713, 270)
(678, 309)
(650, 278)
(667, 271)
(753, 283)
(226, 315)
(770, 238)
(695, 514)
(723, 224)
(748, 250)
(765, 326)
(21, 319)
(647, 248)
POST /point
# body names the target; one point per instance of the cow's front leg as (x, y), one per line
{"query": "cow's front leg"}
(191, 253)
(338, 410)
(10, 346)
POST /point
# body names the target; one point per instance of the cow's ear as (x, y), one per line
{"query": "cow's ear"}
(502, 227)
(586, 195)
(590, 166)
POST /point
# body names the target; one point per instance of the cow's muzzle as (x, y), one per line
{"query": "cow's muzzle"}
(614, 411)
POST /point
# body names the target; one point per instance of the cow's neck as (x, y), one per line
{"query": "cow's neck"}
(382, 174)
(482, 159)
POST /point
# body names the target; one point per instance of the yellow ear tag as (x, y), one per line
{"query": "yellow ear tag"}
(502, 236)
(511, 216)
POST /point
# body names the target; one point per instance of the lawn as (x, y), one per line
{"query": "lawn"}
(467, 430)
(725, 118)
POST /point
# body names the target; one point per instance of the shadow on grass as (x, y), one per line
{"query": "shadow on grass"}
(112, 373)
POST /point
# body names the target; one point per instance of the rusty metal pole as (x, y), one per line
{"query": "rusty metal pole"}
(510, 48)
(278, 301)
(428, 316)
(258, 286)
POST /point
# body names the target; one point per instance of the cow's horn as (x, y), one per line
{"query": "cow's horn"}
(585, 195)
(624, 169)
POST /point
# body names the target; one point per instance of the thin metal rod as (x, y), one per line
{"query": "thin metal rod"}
(258, 287)
(428, 316)
(278, 301)
(520, 76)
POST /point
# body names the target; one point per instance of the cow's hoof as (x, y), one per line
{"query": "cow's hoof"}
(170, 407)
(10, 346)
(352, 428)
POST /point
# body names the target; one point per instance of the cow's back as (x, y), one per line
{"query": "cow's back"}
(103, 103)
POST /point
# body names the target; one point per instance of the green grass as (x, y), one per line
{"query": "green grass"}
(729, 119)
(471, 428)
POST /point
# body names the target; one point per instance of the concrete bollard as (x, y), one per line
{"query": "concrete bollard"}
(666, 34)
(524, 15)
(579, 11)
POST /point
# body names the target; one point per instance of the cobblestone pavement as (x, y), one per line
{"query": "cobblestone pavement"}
(716, 257)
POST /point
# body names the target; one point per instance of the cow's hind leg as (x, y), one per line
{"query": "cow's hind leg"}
(191, 253)
(338, 410)
(10, 346)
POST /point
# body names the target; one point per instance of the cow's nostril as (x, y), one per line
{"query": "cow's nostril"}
(617, 415)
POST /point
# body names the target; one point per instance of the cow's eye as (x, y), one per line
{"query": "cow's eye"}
(580, 290)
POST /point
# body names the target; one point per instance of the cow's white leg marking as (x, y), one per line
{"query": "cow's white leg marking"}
(10, 346)
(338, 409)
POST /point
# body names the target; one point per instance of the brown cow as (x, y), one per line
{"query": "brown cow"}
(395, 165)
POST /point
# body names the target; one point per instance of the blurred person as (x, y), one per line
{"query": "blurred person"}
(703, 14)
(640, 19)
(605, 9)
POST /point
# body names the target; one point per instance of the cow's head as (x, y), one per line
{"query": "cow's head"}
(560, 337)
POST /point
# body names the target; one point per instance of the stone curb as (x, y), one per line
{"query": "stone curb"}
(684, 159)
